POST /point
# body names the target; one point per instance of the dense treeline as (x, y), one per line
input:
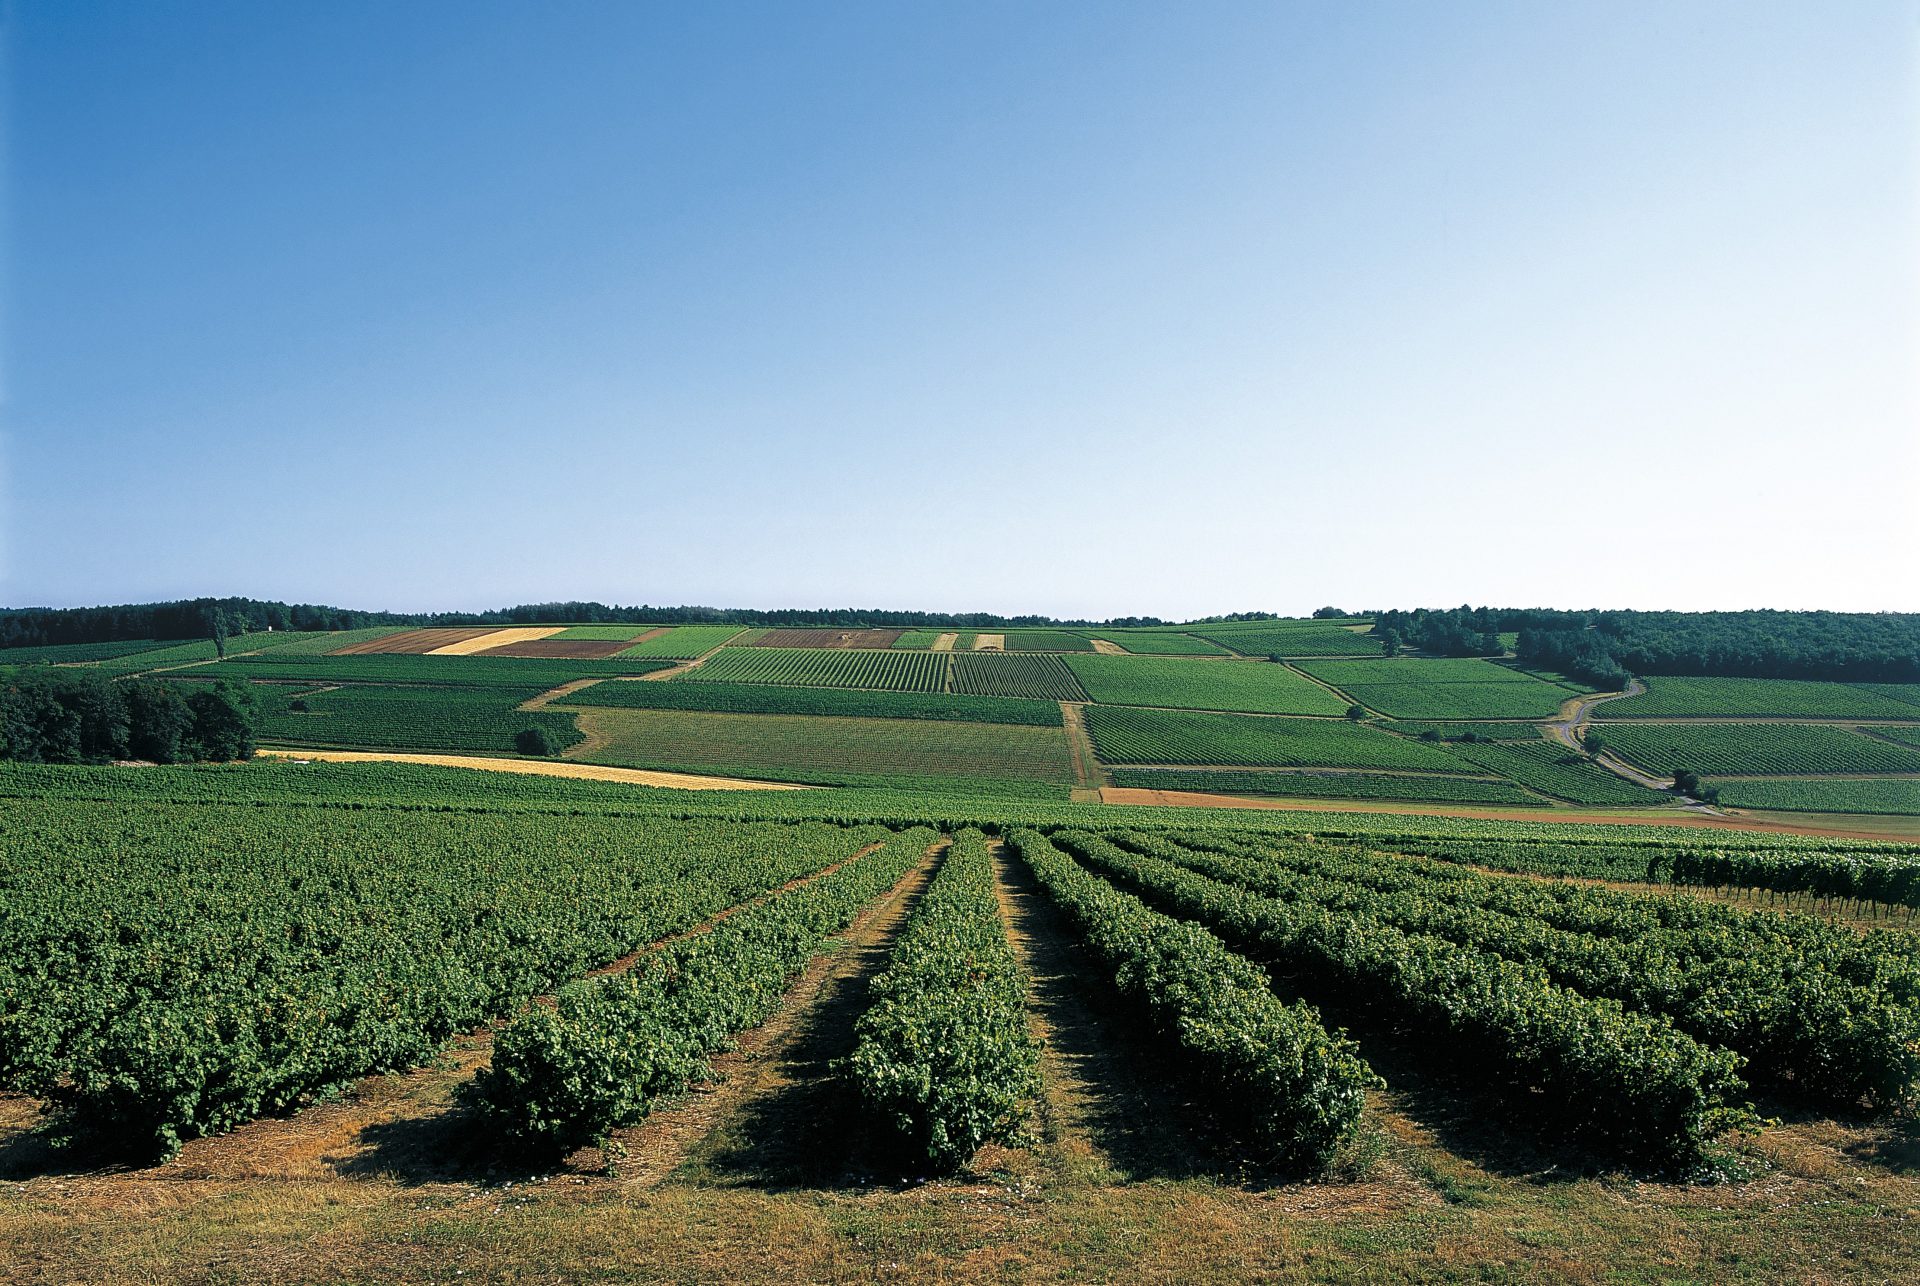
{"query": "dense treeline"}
(50, 716)
(1605, 647)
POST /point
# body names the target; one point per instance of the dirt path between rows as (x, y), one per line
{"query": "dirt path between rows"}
(404, 1123)
(778, 1113)
(546, 699)
(533, 768)
(945, 643)
(1107, 648)
(1101, 1120)
(1088, 775)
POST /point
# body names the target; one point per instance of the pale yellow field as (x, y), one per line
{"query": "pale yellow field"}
(989, 642)
(539, 768)
(499, 638)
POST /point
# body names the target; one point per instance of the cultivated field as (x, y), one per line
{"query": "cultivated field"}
(324, 1022)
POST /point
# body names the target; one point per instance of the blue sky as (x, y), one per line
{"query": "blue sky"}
(1081, 309)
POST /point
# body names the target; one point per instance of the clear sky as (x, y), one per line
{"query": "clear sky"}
(1072, 308)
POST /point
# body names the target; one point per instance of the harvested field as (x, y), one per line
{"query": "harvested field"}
(564, 649)
(496, 638)
(410, 642)
(989, 642)
(945, 642)
(537, 768)
(828, 638)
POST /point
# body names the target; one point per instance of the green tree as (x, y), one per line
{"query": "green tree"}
(1686, 781)
(224, 716)
(1356, 713)
(159, 722)
(532, 741)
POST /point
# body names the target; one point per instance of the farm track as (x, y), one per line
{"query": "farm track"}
(1098, 1117)
(778, 1113)
(547, 698)
(1088, 775)
(403, 1124)
(536, 768)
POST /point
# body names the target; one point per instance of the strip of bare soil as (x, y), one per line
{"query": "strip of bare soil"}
(779, 1113)
(410, 642)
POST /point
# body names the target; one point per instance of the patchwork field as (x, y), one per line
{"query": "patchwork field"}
(410, 642)
(754, 698)
(824, 667)
(822, 749)
(1255, 686)
(475, 719)
(828, 638)
(1303, 640)
(1410, 688)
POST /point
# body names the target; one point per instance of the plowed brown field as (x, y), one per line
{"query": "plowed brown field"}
(828, 638)
(411, 642)
(563, 649)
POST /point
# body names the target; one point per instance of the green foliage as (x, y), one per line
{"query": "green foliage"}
(756, 698)
(75, 653)
(1766, 698)
(1758, 748)
(824, 668)
(441, 671)
(826, 751)
(943, 1054)
(1159, 642)
(1622, 1083)
(1298, 638)
(1273, 1070)
(610, 1048)
(396, 717)
(1558, 771)
(1046, 641)
(1254, 686)
(684, 642)
(1898, 796)
(533, 741)
(1817, 1011)
(1328, 785)
(1129, 736)
(160, 981)
(1028, 675)
(1454, 688)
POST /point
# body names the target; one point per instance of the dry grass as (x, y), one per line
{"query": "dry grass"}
(540, 768)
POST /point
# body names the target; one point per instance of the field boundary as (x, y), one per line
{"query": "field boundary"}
(536, 768)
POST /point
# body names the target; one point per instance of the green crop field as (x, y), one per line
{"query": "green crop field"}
(825, 749)
(919, 639)
(1034, 676)
(603, 633)
(1158, 643)
(1905, 734)
(890, 671)
(756, 698)
(684, 642)
(1890, 795)
(1492, 731)
(1691, 698)
(451, 671)
(1124, 736)
(1412, 688)
(1328, 785)
(1302, 638)
(1555, 770)
(1258, 687)
(75, 653)
(1046, 641)
(1753, 749)
(396, 717)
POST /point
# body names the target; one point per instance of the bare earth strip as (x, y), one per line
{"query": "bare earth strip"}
(777, 1111)
(945, 643)
(410, 642)
(497, 638)
(539, 768)
(546, 699)
(1106, 648)
(989, 642)
(1088, 777)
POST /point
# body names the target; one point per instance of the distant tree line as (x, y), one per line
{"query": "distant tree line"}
(75, 716)
(1606, 647)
